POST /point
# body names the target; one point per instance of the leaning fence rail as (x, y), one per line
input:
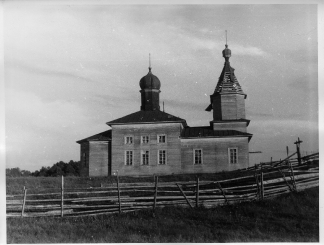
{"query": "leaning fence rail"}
(263, 181)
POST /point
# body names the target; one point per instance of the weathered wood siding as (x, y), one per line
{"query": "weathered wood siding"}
(172, 146)
(98, 158)
(84, 159)
(229, 107)
(215, 154)
(239, 126)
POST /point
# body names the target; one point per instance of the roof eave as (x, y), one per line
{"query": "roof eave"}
(157, 122)
(224, 136)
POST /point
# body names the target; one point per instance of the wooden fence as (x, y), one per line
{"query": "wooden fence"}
(263, 181)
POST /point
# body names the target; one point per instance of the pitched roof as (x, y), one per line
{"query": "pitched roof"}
(227, 82)
(103, 136)
(203, 132)
(148, 117)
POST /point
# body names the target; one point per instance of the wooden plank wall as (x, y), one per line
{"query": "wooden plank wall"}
(239, 126)
(98, 158)
(172, 145)
(84, 163)
(215, 154)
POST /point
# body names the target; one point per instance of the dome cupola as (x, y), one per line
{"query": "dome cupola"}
(150, 81)
(150, 89)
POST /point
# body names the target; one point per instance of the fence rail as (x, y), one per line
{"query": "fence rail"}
(264, 180)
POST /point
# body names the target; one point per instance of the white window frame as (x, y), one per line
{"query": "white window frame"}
(229, 155)
(132, 159)
(143, 152)
(165, 157)
(143, 137)
(201, 156)
(128, 137)
(158, 138)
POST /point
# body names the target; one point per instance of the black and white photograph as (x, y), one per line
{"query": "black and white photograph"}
(160, 122)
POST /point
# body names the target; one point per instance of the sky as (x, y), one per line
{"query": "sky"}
(70, 68)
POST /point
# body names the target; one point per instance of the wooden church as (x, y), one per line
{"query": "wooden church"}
(151, 141)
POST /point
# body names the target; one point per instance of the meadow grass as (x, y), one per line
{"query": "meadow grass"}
(293, 217)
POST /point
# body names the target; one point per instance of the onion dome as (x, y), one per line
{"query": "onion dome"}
(150, 81)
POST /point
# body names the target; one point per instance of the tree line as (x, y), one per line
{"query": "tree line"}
(72, 168)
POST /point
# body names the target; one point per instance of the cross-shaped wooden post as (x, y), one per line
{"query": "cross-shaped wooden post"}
(297, 143)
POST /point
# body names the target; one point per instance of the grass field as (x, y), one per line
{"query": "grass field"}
(288, 218)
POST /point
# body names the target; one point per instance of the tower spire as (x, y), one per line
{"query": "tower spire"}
(150, 68)
(226, 38)
(226, 51)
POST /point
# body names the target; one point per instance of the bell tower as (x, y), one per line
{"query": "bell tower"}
(228, 100)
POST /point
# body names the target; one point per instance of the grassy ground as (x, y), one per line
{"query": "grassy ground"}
(288, 218)
(14, 185)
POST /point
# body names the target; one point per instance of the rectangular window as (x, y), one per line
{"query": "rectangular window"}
(145, 139)
(162, 157)
(128, 140)
(145, 157)
(161, 138)
(129, 158)
(232, 155)
(197, 156)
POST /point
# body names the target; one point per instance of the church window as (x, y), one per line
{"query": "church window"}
(198, 156)
(129, 158)
(128, 140)
(145, 157)
(162, 157)
(145, 139)
(161, 138)
(232, 155)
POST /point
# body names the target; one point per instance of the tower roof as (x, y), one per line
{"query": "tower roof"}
(227, 82)
(150, 81)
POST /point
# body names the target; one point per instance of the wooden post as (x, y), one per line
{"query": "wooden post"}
(297, 143)
(24, 202)
(184, 196)
(257, 181)
(262, 187)
(62, 196)
(155, 193)
(197, 193)
(293, 176)
(118, 193)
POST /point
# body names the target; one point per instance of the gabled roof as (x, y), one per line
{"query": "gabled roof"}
(148, 117)
(103, 136)
(203, 132)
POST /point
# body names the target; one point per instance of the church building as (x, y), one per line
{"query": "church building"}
(151, 141)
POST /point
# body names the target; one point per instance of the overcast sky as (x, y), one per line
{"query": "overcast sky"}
(69, 69)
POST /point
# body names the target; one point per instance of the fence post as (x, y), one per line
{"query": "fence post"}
(118, 193)
(24, 202)
(262, 186)
(293, 176)
(257, 181)
(62, 196)
(155, 193)
(197, 193)
(297, 143)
